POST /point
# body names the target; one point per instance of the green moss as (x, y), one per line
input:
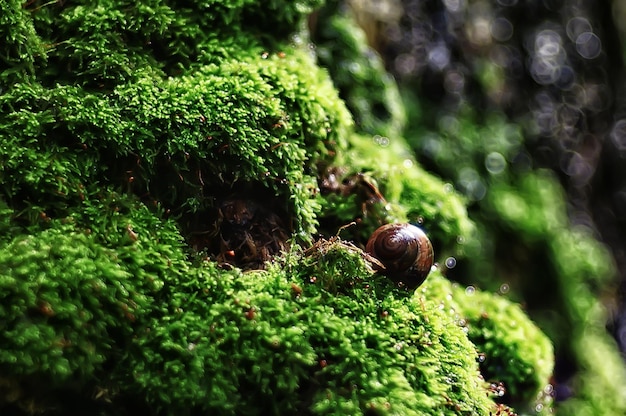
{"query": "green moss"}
(513, 350)
(301, 348)
(21, 47)
(118, 303)
(270, 117)
(358, 72)
(412, 193)
(100, 44)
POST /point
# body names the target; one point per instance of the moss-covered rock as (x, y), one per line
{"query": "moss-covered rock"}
(162, 164)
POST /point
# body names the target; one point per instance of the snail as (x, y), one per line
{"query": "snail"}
(404, 252)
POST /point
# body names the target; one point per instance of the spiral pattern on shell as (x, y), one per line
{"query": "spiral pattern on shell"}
(404, 250)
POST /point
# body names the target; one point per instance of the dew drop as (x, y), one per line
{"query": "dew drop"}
(482, 357)
(504, 289)
(470, 290)
(296, 39)
(450, 262)
(264, 55)
(381, 140)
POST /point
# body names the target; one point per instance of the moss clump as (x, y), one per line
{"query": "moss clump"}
(21, 46)
(502, 330)
(100, 44)
(119, 311)
(514, 355)
(260, 123)
(358, 72)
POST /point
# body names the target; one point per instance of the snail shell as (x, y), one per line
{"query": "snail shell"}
(405, 252)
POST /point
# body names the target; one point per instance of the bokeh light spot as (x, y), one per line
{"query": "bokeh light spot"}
(618, 135)
(588, 45)
(501, 29)
(577, 26)
(495, 163)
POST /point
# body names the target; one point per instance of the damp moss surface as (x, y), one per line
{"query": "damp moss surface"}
(166, 169)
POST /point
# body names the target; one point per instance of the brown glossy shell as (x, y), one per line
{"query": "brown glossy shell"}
(404, 250)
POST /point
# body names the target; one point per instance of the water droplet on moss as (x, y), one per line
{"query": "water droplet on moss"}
(504, 289)
(296, 39)
(381, 140)
(450, 262)
(470, 290)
